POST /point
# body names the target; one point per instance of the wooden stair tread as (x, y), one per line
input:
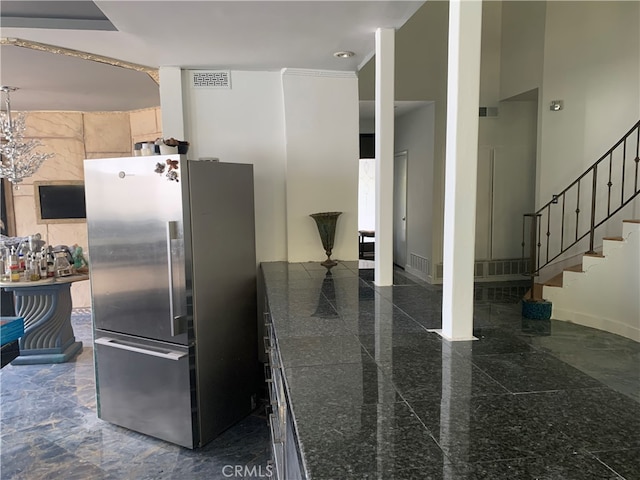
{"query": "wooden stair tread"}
(594, 254)
(615, 239)
(557, 280)
(574, 268)
(631, 220)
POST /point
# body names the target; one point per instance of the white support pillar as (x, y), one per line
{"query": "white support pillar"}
(385, 93)
(171, 103)
(463, 90)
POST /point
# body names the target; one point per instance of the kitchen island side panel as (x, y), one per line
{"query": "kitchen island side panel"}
(224, 292)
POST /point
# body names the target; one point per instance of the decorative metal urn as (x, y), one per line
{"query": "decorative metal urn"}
(326, 222)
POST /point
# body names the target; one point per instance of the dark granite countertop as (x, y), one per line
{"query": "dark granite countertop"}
(375, 393)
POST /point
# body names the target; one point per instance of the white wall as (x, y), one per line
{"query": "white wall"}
(592, 63)
(414, 132)
(322, 153)
(490, 54)
(367, 125)
(245, 124)
(522, 46)
(505, 192)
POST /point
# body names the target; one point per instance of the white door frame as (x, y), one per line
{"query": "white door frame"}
(400, 172)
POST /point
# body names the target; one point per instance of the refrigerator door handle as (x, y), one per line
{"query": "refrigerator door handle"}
(175, 320)
(112, 342)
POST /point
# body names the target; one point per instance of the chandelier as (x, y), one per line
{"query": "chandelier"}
(18, 162)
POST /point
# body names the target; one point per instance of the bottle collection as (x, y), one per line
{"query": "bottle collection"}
(32, 261)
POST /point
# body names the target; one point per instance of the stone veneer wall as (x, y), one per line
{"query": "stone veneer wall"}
(74, 136)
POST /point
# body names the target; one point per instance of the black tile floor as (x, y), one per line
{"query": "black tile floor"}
(49, 430)
(579, 418)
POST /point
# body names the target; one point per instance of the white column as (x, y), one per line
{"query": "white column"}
(385, 93)
(171, 103)
(463, 87)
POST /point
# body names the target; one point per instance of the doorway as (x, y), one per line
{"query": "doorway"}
(400, 209)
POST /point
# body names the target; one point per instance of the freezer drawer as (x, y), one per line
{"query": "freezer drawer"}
(145, 386)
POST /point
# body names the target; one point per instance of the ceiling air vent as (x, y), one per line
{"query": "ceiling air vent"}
(211, 79)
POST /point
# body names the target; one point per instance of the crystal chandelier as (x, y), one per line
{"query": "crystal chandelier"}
(18, 162)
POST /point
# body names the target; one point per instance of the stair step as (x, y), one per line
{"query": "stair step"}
(574, 268)
(629, 226)
(615, 239)
(557, 280)
(594, 254)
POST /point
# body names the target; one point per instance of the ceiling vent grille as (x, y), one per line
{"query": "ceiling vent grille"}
(211, 79)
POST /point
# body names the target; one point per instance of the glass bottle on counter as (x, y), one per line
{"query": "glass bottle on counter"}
(14, 266)
(34, 268)
(5, 274)
(22, 259)
(42, 259)
(51, 269)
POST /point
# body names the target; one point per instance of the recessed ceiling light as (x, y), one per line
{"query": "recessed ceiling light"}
(345, 54)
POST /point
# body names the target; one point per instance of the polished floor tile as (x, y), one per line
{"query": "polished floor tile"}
(367, 441)
(50, 430)
(625, 462)
(532, 372)
(320, 350)
(488, 428)
(340, 385)
(550, 467)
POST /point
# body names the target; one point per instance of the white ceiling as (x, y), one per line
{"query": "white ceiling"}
(249, 35)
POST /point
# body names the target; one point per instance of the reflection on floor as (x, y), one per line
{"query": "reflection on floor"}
(50, 429)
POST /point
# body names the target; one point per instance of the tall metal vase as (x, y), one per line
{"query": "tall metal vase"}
(326, 223)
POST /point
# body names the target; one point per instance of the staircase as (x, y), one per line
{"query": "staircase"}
(604, 291)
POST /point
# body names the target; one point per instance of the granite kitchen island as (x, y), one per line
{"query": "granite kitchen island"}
(361, 388)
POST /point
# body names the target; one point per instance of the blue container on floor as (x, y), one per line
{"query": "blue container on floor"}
(537, 310)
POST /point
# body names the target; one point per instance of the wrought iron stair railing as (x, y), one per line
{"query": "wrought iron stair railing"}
(602, 190)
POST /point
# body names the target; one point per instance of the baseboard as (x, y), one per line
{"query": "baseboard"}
(416, 273)
(598, 323)
(433, 281)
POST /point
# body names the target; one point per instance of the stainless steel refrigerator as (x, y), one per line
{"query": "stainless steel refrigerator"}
(173, 287)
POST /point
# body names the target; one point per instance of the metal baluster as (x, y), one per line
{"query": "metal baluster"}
(564, 196)
(532, 253)
(548, 230)
(637, 160)
(593, 208)
(609, 184)
(524, 221)
(624, 159)
(577, 210)
(539, 239)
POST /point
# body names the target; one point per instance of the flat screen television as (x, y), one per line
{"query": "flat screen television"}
(60, 201)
